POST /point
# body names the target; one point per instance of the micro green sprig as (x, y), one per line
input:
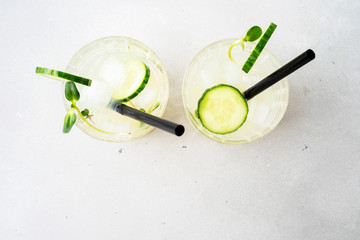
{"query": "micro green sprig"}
(253, 34)
(150, 111)
(72, 95)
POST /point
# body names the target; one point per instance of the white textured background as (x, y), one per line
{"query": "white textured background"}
(302, 181)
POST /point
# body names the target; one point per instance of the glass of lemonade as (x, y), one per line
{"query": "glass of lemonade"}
(112, 64)
(212, 66)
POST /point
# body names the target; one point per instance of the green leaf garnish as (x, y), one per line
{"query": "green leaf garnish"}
(71, 92)
(69, 121)
(258, 48)
(85, 112)
(141, 123)
(150, 111)
(253, 34)
(154, 107)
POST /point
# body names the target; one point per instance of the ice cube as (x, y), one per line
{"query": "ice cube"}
(112, 71)
(95, 97)
(211, 73)
(261, 112)
(233, 73)
(251, 107)
(146, 97)
(251, 80)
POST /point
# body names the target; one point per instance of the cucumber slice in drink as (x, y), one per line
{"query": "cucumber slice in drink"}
(62, 76)
(137, 76)
(258, 48)
(222, 109)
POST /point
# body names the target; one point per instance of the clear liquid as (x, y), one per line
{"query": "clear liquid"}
(105, 61)
(212, 66)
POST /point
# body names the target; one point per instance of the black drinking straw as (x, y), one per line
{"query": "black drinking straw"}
(279, 74)
(149, 119)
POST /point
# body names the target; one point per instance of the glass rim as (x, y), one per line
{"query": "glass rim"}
(138, 132)
(198, 127)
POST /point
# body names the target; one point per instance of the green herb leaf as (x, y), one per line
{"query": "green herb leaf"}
(253, 34)
(71, 92)
(69, 121)
(85, 112)
(154, 107)
(141, 123)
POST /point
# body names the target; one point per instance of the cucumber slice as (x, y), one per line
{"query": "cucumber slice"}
(258, 48)
(62, 76)
(137, 76)
(222, 109)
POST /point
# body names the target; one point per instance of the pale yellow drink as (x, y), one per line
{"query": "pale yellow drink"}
(109, 62)
(212, 66)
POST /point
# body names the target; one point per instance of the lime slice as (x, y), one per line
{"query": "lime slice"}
(137, 76)
(258, 48)
(62, 76)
